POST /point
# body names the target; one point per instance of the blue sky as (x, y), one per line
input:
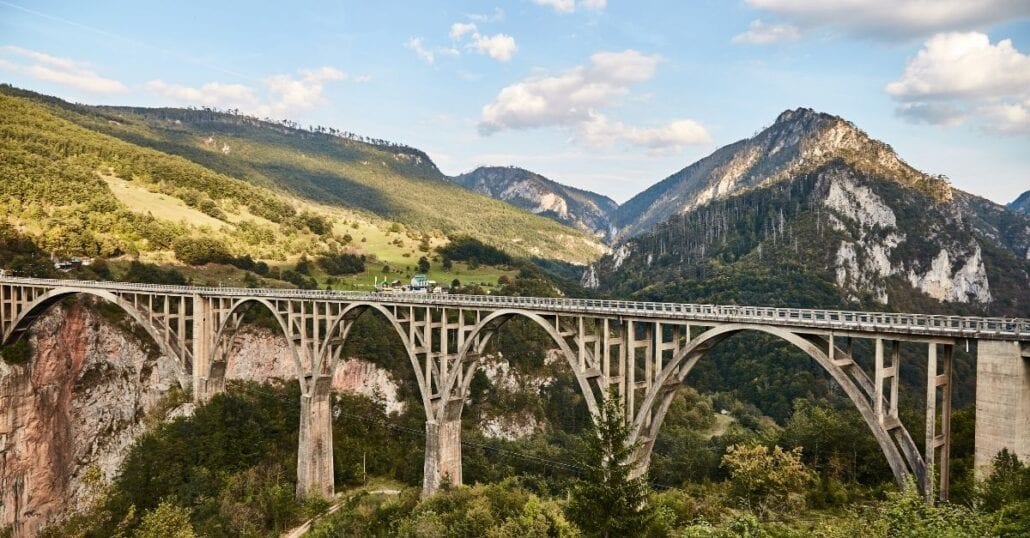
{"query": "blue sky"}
(609, 95)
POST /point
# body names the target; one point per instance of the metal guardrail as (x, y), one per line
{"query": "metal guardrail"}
(843, 320)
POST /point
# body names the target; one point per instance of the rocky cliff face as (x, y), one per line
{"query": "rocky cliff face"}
(87, 394)
(80, 403)
(259, 355)
(582, 209)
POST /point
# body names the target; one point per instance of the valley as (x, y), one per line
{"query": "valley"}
(100, 438)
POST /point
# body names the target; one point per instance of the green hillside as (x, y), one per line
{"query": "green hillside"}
(226, 155)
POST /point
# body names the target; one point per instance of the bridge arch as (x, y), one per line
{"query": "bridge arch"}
(902, 456)
(46, 301)
(329, 355)
(218, 359)
(486, 329)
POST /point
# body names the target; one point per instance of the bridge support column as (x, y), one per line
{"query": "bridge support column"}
(1002, 402)
(203, 334)
(315, 454)
(443, 455)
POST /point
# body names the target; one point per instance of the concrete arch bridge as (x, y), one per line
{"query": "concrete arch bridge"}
(642, 351)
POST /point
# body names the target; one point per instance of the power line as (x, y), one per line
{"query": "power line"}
(538, 459)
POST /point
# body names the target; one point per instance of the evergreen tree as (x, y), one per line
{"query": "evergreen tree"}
(607, 502)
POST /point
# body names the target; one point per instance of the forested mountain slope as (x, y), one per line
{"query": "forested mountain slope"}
(531, 191)
(200, 149)
(832, 237)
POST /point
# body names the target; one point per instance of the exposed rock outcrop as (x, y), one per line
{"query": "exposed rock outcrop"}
(79, 403)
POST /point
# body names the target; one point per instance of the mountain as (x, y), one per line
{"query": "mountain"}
(799, 140)
(244, 180)
(812, 212)
(1022, 203)
(578, 208)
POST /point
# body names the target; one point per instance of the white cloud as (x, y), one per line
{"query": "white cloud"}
(496, 16)
(64, 71)
(282, 94)
(575, 99)
(568, 6)
(669, 138)
(761, 33)
(895, 19)
(459, 29)
(957, 77)
(567, 98)
(500, 47)
(963, 65)
(214, 94)
(425, 54)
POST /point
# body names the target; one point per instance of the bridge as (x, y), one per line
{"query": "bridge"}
(641, 351)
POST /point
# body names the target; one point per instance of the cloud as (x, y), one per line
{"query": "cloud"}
(569, 6)
(496, 16)
(665, 139)
(957, 77)
(761, 33)
(280, 94)
(500, 47)
(567, 98)
(459, 29)
(575, 99)
(425, 54)
(214, 94)
(63, 71)
(894, 19)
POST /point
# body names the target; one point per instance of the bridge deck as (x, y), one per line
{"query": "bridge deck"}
(922, 325)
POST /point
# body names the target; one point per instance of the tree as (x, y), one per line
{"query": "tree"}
(166, 521)
(423, 265)
(768, 481)
(607, 501)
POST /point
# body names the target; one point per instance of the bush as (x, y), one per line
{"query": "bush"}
(342, 264)
(768, 481)
(200, 251)
(464, 248)
(148, 273)
(17, 352)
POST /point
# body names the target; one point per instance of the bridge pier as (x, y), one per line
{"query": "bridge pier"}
(443, 455)
(315, 453)
(1002, 402)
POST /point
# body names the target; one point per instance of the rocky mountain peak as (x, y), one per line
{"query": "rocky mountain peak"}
(799, 141)
(582, 209)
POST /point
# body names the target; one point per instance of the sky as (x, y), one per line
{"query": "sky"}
(607, 95)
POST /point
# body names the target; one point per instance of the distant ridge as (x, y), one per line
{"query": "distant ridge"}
(579, 208)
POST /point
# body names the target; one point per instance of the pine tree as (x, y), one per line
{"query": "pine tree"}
(607, 502)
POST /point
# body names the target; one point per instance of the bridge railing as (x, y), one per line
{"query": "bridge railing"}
(923, 324)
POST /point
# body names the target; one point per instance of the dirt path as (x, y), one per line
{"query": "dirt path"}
(297, 532)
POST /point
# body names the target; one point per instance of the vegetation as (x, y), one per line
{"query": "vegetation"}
(236, 172)
(607, 501)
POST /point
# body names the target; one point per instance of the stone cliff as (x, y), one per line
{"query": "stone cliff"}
(93, 387)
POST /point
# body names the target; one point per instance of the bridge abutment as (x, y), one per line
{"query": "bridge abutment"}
(315, 454)
(1002, 402)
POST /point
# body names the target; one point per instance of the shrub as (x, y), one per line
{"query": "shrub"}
(200, 251)
(17, 352)
(342, 264)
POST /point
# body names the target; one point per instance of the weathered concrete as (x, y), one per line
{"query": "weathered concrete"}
(443, 455)
(1002, 402)
(315, 454)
